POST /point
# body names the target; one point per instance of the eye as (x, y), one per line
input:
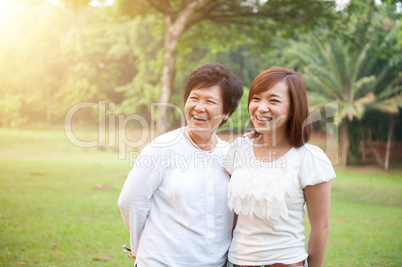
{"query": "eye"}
(275, 100)
(256, 98)
(211, 102)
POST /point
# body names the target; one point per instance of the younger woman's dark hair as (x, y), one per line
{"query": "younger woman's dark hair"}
(298, 126)
(208, 75)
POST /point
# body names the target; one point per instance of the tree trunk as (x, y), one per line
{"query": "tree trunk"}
(168, 73)
(363, 145)
(242, 64)
(344, 142)
(174, 30)
(389, 138)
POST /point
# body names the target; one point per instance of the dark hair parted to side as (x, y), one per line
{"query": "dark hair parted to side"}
(208, 75)
(298, 125)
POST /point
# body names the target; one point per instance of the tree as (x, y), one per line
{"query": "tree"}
(335, 69)
(98, 51)
(32, 66)
(53, 58)
(179, 16)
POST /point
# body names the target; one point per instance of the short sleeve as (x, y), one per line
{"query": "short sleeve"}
(316, 167)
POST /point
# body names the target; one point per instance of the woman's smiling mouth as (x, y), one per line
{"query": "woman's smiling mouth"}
(262, 118)
(199, 118)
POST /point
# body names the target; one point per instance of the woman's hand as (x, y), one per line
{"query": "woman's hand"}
(318, 199)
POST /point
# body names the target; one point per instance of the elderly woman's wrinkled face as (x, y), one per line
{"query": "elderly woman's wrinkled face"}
(204, 109)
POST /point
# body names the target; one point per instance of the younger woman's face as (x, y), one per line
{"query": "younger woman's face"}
(269, 110)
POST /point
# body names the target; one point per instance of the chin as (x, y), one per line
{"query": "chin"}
(198, 128)
(262, 130)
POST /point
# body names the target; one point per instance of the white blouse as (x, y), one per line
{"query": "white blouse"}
(269, 199)
(174, 203)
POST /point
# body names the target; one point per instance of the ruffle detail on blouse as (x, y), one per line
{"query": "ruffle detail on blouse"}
(262, 192)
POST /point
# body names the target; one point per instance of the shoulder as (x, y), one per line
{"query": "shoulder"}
(240, 146)
(314, 165)
(308, 152)
(167, 139)
(241, 142)
(163, 142)
(222, 147)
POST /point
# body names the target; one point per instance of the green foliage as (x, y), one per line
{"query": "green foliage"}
(31, 60)
(252, 18)
(131, 8)
(356, 68)
(331, 71)
(146, 44)
(75, 4)
(99, 51)
(53, 58)
(239, 121)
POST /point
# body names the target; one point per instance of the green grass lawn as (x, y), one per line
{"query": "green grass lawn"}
(54, 214)
(366, 219)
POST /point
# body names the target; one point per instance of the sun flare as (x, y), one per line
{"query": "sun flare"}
(8, 8)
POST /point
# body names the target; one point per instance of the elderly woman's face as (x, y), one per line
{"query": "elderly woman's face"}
(204, 109)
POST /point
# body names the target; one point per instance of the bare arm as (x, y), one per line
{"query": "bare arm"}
(318, 205)
(234, 222)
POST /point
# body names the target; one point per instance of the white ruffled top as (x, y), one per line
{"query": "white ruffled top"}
(269, 201)
(259, 188)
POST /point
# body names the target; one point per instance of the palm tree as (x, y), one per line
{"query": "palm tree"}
(388, 102)
(333, 70)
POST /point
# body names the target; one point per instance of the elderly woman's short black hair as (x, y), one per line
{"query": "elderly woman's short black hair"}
(208, 75)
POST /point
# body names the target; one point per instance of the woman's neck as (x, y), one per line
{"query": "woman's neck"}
(268, 148)
(202, 140)
(274, 140)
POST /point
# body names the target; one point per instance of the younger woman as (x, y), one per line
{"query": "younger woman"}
(274, 174)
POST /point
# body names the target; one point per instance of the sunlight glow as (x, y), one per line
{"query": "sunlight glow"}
(341, 4)
(101, 3)
(8, 9)
(55, 2)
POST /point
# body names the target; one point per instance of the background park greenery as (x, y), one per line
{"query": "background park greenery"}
(54, 56)
(59, 206)
(58, 201)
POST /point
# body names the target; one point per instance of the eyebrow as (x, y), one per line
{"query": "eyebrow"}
(213, 98)
(275, 95)
(210, 97)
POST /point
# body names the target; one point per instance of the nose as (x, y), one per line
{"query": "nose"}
(199, 107)
(263, 107)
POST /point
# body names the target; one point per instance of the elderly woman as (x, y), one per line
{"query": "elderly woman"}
(174, 201)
